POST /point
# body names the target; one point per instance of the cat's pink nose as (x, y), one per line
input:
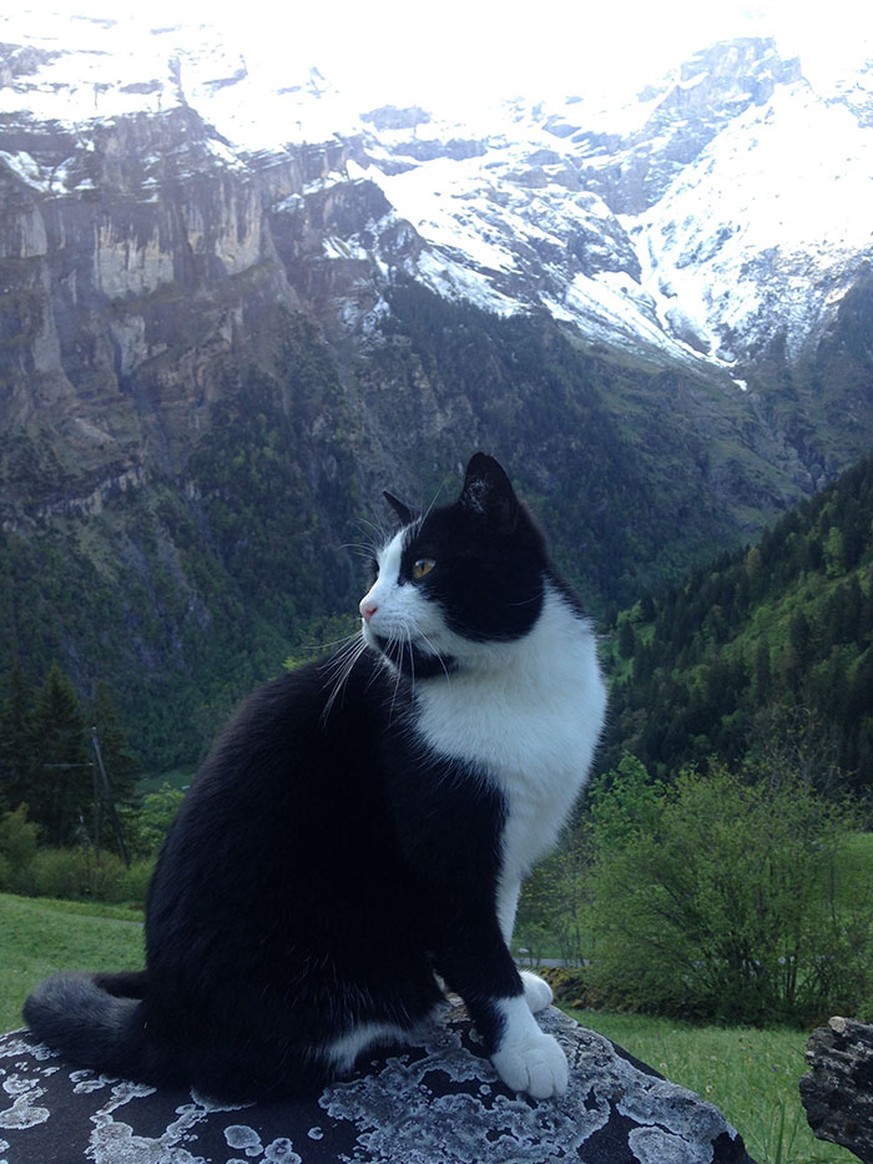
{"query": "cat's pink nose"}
(367, 608)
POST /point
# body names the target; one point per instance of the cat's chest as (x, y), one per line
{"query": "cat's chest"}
(532, 731)
(504, 733)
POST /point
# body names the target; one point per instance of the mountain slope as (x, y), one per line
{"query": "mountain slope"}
(767, 647)
(232, 311)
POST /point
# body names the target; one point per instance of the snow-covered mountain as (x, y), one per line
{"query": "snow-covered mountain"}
(237, 301)
(725, 208)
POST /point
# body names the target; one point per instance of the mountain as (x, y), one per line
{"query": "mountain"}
(765, 649)
(234, 306)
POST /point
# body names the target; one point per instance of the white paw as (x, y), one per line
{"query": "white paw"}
(537, 992)
(535, 1064)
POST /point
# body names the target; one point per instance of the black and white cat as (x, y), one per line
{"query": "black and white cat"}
(362, 827)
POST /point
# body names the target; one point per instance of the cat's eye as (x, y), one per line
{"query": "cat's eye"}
(422, 566)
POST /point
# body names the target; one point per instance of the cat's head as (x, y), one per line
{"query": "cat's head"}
(457, 578)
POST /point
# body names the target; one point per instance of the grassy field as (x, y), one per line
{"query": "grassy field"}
(750, 1074)
(38, 936)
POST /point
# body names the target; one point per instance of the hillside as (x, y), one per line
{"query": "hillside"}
(769, 648)
(233, 311)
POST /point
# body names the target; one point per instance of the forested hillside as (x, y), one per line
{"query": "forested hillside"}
(185, 590)
(214, 358)
(767, 647)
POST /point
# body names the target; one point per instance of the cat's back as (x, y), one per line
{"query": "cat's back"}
(295, 776)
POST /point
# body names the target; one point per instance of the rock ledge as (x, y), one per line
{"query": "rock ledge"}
(434, 1103)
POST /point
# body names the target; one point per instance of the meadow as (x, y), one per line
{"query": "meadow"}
(750, 1074)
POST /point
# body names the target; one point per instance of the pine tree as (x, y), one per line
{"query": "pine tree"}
(61, 792)
(16, 756)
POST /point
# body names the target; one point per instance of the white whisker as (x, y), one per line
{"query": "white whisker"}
(435, 498)
(339, 667)
(437, 655)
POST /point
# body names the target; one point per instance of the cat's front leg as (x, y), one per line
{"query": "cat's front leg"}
(525, 1057)
(537, 992)
(500, 1002)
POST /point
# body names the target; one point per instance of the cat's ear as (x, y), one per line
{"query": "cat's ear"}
(487, 492)
(403, 511)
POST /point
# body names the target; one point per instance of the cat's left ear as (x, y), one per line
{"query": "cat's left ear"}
(406, 514)
(487, 492)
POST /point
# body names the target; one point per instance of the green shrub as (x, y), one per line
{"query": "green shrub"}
(77, 873)
(134, 882)
(18, 846)
(721, 897)
(549, 921)
(146, 827)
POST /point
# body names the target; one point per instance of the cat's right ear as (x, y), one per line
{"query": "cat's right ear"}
(403, 511)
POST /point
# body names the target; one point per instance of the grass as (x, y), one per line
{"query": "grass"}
(39, 936)
(750, 1075)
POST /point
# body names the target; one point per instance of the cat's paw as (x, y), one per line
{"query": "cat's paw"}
(537, 992)
(534, 1064)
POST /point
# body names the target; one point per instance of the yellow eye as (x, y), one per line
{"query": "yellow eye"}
(422, 566)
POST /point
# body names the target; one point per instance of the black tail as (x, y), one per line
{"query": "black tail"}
(95, 1020)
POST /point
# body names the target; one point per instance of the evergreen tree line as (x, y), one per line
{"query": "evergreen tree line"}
(66, 761)
(770, 641)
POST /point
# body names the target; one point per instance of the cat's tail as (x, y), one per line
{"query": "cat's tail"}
(96, 1020)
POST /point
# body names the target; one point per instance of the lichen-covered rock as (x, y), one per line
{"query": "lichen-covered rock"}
(837, 1092)
(435, 1103)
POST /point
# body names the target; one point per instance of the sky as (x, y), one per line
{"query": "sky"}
(453, 51)
(454, 48)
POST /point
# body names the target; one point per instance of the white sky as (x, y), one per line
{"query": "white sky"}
(450, 51)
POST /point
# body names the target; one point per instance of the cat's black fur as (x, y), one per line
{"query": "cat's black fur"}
(330, 858)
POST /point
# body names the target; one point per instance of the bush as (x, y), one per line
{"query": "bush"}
(721, 897)
(146, 827)
(550, 910)
(76, 873)
(134, 882)
(18, 841)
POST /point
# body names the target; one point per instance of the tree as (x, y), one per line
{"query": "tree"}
(61, 792)
(626, 640)
(147, 827)
(16, 760)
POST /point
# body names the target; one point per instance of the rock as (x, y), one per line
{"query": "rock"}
(435, 1103)
(837, 1093)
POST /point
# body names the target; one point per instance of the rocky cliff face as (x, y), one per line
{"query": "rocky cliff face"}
(225, 327)
(136, 266)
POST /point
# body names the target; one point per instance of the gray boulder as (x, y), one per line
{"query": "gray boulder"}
(838, 1091)
(435, 1103)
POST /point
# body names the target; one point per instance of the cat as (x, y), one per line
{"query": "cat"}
(358, 836)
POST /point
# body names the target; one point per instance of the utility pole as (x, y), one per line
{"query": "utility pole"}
(103, 794)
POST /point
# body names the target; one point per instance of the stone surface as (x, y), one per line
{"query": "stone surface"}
(838, 1092)
(435, 1103)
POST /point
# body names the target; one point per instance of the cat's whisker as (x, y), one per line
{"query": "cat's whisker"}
(340, 668)
(363, 549)
(435, 498)
(378, 532)
(398, 669)
(437, 655)
(333, 644)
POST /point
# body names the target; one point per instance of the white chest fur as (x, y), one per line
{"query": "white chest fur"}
(528, 714)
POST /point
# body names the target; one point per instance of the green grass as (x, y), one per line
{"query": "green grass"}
(750, 1075)
(39, 936)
